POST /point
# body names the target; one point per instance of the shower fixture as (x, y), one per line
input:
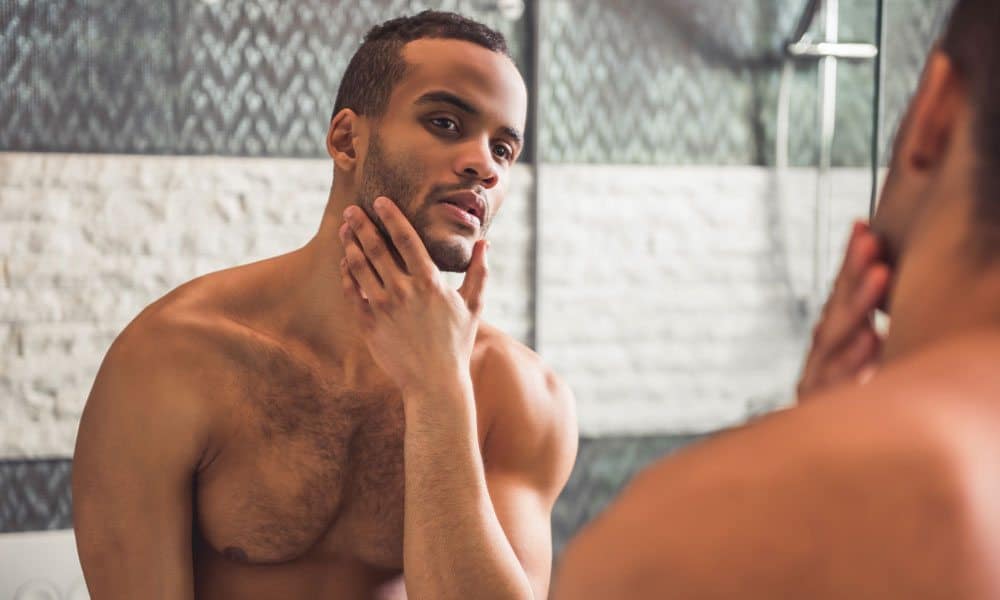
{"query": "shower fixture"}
(800, 46)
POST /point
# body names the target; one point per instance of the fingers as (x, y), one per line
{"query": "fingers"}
(404, 237)
(372, 244)
(474, 283)
(856, 361)
(362, 272)
(845, 343)
(861, 352)
(853, 309)
(863, 248)
(352, 291)
(378, 276)
(858, 290)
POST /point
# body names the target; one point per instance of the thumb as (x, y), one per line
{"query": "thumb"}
(475, 278)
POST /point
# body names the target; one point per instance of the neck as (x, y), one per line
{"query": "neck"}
(941, 295)
(313, 309)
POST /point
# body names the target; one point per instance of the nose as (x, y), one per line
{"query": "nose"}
(476, 163)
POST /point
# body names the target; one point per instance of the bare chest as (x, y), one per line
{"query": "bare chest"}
(312, 471)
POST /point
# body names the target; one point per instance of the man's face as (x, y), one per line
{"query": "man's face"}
(444, 148)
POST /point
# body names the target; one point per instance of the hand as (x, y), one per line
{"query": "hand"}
(418, 330)
(845, 344)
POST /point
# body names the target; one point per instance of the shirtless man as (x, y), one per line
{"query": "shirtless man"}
(246, 435)
(881, 489)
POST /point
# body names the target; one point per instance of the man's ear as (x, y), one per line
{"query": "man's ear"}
(934, 115)
(342, 139)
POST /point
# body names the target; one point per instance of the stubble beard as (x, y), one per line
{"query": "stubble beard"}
(399, 181)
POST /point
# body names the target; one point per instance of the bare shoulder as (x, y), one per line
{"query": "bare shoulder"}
(188, 339)
(168, 371)
(184, 360)
(896, 477)
(517, 380)
(533, 410)
(167, 344)
(150, 424)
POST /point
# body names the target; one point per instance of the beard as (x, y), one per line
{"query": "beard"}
(399, 180)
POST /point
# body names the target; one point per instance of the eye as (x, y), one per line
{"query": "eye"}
(503, 151)
(444, 123)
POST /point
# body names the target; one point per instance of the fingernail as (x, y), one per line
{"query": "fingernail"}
(380, 203)
(348, 213)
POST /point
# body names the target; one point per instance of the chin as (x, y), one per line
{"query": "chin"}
(450, 255)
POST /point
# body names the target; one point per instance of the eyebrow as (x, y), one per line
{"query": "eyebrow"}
(513, 134)
(462, 105)
(448, 98)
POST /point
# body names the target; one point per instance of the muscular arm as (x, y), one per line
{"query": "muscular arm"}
(529, 453)
(139, 443)
(845, 499)
(469, 531)
(485, 533)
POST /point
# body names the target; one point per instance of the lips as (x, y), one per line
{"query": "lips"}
(470, 202)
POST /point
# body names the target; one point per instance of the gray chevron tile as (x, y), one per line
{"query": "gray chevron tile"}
(249, 78)
(35, 495)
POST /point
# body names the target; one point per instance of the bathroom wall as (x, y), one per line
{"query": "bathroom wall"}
(673, 298)
(674, 260)
(144, 144)
(88, 240)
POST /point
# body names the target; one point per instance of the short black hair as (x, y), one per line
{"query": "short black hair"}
(971, 40)
(378, 65)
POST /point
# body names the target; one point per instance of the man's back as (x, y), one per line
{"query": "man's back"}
(884, 485)
(885, 491)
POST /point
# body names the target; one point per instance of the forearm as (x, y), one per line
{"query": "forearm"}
(454, 546)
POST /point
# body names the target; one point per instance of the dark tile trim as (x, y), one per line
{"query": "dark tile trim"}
(35, 495)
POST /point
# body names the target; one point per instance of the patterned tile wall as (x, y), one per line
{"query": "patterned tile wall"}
(687, 82)
(248, 78)
(648, 81)
(663, 81)
(35, 495)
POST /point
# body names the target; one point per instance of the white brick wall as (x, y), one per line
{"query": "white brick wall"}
(668, 295)
(87, 241)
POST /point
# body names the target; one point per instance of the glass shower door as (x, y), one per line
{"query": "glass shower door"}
(687, 228)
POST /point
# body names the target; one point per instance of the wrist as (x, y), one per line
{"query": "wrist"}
(439, 388)
(440, 403)
(446, 377)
